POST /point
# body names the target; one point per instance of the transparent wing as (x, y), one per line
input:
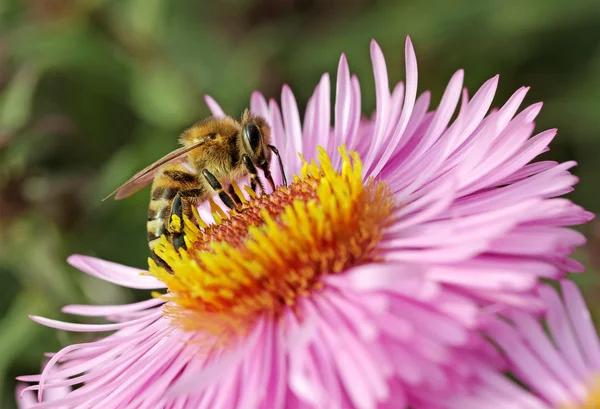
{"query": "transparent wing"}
(144, 177)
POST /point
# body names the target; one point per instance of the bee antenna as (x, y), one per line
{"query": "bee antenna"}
(276, 152)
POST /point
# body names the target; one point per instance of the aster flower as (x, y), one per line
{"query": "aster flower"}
(560, 370)
(361, 284)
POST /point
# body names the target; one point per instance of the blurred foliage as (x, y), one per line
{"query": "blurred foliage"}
(93, 90)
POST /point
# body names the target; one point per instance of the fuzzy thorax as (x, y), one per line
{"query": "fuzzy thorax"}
(263, 257)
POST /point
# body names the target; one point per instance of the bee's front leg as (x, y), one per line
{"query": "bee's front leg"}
(276, 152)
(217, 187)
(234, 194)
(254, 180)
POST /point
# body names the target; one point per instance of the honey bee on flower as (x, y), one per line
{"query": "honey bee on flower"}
(363, 283)
(214, 151)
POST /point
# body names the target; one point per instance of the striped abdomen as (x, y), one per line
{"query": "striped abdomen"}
(170, 181)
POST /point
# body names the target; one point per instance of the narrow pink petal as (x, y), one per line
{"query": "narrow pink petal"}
(434, 325)
(115, 273)
(228, 390)
(208, 374)
(508, 111)
(382, 96)
(533, 111)
(423, 209)
(279, 137)
(380, 276)
(355, 113)
(323, 134)
(334, 308)
(343, 101)
(258, 105)
(450, 236)
(542, 184)
(437, 255)
(371, 369)
(531, 148)
(303, 371)
(280, 141)
(409, 103)
(532, 370)
(475, 151)
(309, 134)
(503, 148)
(417, 125)
(277, 386)
(538, 241)
(114, 347)
(104, 310)
(483, 279)
(291, 119)
(395, 111)
(459, 307)
(409, 366)
(503, 389)
(561, 331)
(582, 324)
(537, 339)
(441, 118)
(214, 107)
(531, 168)
(67, 326)
(478, 106)
(423, 174)
(350, 373)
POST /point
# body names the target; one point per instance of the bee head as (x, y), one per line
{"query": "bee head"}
(256, 137)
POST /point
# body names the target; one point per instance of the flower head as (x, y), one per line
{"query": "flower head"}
(363, 283)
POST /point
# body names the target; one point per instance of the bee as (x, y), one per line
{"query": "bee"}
(214, 152)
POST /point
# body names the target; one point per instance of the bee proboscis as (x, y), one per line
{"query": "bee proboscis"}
(214, 153)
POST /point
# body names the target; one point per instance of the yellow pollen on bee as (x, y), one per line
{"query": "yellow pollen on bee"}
(273, 249)
(175, 224)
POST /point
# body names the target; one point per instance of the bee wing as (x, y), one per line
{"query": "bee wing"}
(144, 177)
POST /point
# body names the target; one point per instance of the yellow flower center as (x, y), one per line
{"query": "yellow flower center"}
(272, 250)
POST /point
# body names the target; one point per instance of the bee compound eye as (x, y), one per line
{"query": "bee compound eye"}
(252, 135)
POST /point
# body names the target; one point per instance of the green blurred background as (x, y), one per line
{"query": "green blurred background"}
(93, 90)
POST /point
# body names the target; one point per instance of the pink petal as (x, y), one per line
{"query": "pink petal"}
(214, 107)
(115, 273)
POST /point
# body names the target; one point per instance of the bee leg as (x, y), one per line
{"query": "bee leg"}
(233, 194)
(217, 187)
(254, 180)
(191, 198)
(268, 176)
(175, 226)
(160, 262)
(276, 152)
